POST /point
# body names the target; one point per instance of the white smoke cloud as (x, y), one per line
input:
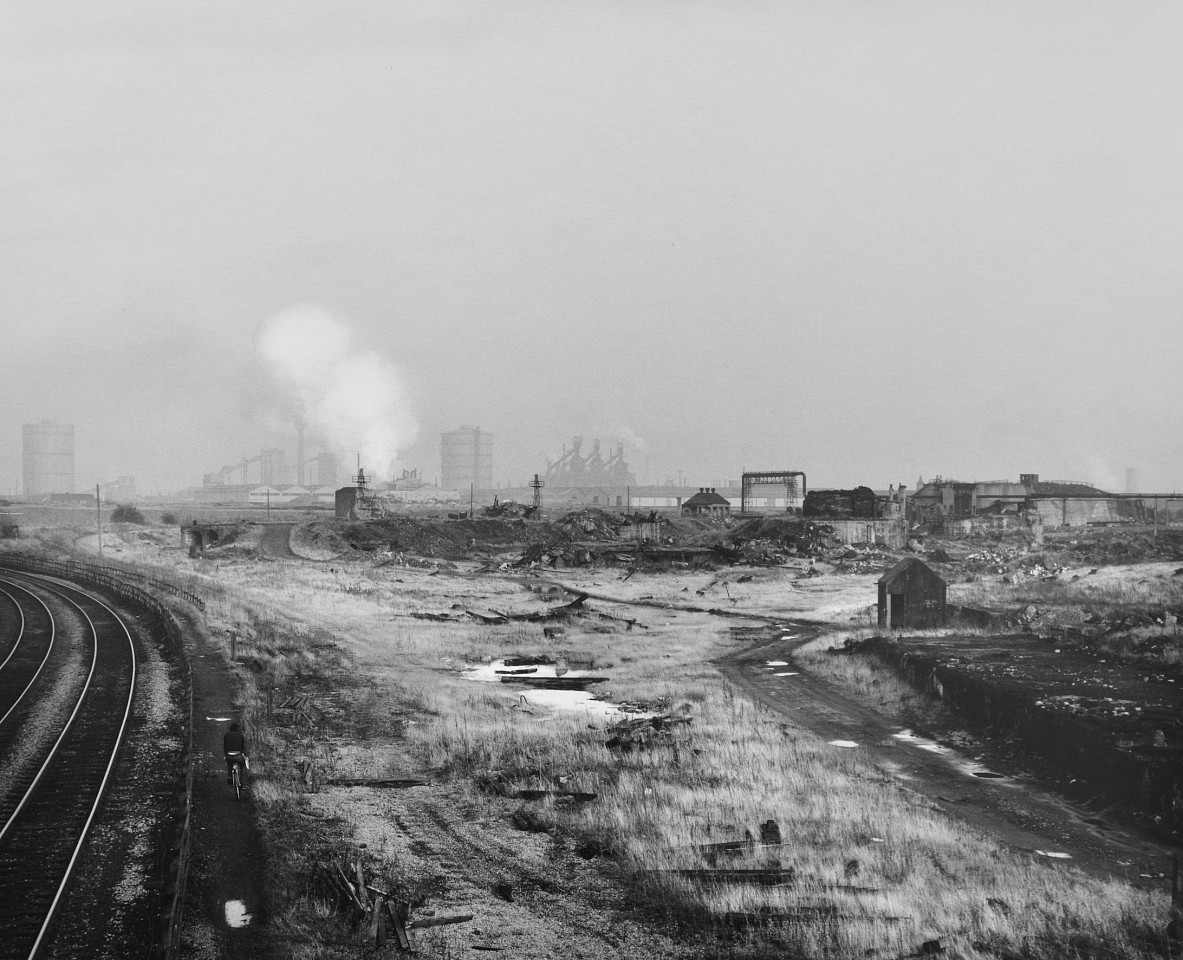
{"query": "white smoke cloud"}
(352, 401)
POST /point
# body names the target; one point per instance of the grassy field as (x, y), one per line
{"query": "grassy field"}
(876, 870)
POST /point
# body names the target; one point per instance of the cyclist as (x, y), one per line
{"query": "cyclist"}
(234, 747)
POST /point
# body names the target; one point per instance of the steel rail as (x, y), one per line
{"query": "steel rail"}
(20, 633)
(48, 648)
(100, 790)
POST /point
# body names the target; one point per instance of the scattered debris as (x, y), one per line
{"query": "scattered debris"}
(629, 735)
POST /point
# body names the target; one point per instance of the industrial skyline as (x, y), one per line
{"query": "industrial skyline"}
(729, 236)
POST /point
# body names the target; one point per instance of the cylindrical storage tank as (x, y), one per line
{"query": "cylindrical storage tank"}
(466, 459)
(48, 458)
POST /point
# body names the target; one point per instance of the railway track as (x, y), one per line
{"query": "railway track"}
(51, 797)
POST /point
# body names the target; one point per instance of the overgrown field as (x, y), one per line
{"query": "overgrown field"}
(868, 868)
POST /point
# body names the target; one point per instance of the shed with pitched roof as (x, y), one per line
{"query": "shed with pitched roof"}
(912, 596)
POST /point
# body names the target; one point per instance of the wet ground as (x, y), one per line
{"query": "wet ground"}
(1107, 728)
(1018, 810)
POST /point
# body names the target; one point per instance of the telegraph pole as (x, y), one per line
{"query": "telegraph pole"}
(98, 514)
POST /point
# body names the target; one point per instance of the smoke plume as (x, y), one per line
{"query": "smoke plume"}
(351, 400)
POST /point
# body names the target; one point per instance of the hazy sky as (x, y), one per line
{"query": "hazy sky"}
(865, 240)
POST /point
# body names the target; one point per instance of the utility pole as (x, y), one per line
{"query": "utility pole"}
(98, 513)
(471, 494)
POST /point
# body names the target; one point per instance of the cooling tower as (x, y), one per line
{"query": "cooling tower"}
(48, 458)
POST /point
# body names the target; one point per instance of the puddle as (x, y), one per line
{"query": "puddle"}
(786, 674)
(843, 743)
(988, 775)
(533, 704)
(219, 719)
(237, 914)
(1054, 854)
(921, 743)
(777, 663)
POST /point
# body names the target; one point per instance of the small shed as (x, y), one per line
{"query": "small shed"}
(706, 503)
(911, 595)
(345, 507)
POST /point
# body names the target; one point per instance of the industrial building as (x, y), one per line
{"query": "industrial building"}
(466, 459)
(122, 490)
(573, 469)
(706, 503)
(48, 458)
(268, 468)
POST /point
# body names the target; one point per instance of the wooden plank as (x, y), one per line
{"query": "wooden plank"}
(438, 921)
(376, 919)
(391, 784)
(556, 683)
(539, 794)
(399, 912)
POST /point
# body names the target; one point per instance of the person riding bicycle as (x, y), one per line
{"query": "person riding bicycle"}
(234, 747)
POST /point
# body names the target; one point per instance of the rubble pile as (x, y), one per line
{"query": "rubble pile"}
(865, 560)
(590, 524)
(1114, 547)
(841, 504)
(508, 510)
(782, 538)
(1099, 707)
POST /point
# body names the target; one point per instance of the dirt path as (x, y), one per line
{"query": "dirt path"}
(1011, 808)
(227, 860)
(1015, 810)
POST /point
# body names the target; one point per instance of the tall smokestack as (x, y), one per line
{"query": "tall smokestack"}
(300, 453)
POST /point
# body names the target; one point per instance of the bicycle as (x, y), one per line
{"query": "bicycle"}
(238, 761)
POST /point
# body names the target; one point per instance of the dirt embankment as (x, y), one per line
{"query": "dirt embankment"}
(1115, 730)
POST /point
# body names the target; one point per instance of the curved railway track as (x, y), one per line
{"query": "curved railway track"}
(48, 808)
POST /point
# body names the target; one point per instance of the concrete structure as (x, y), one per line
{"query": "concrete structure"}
(466, 459)
(122, 490)
(48, 458)
(345, 507)
(706, 503)
(912, 596)
(890, 532)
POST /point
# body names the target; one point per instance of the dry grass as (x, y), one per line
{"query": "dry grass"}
(395, 702)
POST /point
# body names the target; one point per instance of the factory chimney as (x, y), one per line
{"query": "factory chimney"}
(300, 452)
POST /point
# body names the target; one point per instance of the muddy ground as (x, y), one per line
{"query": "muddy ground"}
(1106, 730)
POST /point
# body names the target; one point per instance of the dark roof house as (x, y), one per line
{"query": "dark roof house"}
(706, 503)
(911, 596)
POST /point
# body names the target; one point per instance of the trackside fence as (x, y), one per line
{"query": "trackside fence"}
(173, 853)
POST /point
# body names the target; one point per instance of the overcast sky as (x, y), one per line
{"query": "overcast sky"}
(865, 240)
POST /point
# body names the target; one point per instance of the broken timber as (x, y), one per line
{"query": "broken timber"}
(390, 783)
(555, 683)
